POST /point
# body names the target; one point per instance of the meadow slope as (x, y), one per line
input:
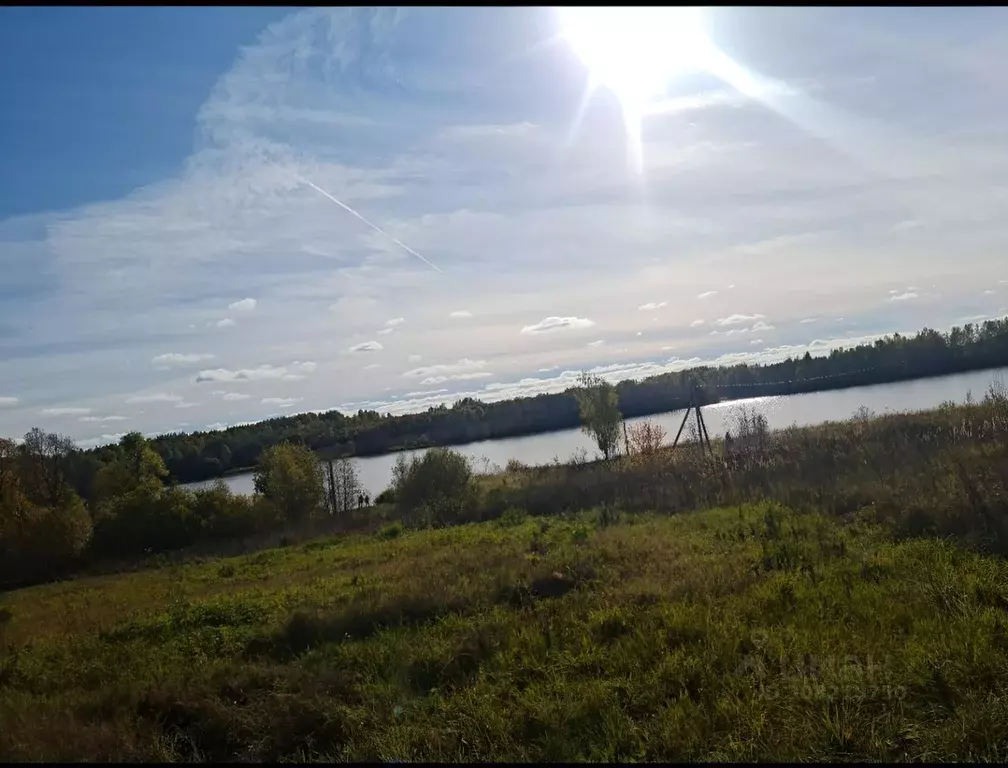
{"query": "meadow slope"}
(740, 633)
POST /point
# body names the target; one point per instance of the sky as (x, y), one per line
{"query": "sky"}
(175, 254)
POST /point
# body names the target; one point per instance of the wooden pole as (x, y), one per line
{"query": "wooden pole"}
(685, 416)
(703, 423)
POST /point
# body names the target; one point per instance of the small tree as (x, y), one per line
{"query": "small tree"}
(291, 478)
(436, 487)
(136, 468)
(600, 414)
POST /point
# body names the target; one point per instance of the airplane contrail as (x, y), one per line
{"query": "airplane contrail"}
(373, 226)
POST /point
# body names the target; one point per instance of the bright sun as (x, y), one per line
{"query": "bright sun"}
(634, 52)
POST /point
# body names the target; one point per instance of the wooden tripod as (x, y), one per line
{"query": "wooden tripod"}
(694, 405)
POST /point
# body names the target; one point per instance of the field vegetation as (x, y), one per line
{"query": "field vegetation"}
(836, 592)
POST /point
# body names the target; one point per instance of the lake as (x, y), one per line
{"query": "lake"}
(781, 411)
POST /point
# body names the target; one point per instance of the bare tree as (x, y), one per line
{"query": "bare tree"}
(344, 486)
(44, 457)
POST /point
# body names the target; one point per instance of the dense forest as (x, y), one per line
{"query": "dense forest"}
(204, 455)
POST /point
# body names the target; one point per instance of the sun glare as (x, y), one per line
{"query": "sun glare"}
(635, 52)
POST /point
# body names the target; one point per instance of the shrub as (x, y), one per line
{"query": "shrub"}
(39, 542)
(513, 516)
(291, 477)
(220, 514)
(436, 488)
(390, 531)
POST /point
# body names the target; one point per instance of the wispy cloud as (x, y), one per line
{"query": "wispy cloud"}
(651, 305)
(227, 322)
(808, 320)
(905, 296)
(366, 346)
(259, 373)
(280, 402)
(553, 323)
(738, 319)
(706, 294)
(395, 321)
(696, 323)
(461, 370)
(8, 402)
(170, 359)
(101, 419)
(460, 314)
(156, 397)
(64, 411)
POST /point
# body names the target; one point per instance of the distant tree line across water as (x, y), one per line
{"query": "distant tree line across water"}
(204, 455)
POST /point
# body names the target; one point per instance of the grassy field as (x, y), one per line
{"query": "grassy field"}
(741, 633)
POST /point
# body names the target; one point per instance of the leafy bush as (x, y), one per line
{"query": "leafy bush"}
(435, 488)
(291, 478)
(220, 514)
(39, 542)
(390, 531)
(512, 516)
(386, 497)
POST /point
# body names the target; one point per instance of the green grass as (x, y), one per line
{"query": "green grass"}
(750, 633)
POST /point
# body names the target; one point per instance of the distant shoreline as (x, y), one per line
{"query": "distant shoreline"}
(529, 433)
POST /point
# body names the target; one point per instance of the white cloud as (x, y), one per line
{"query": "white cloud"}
(738, 319)
(366, 346)
(281, 402)
(460, 314)
(235, 397)
(598, 343)
(706, 294)
(8, 402)
(807, 320)
(905, 296)
(553, 323)
(100, 419)
(395, 321)
(652, 305)
(156, 397)
(761, 326)
(431, 380)
(696, 323)
(65, 411)
(244, 305)
(174, 358)
(385, 331)
(227, 322)
(756, 341)
(260, 373)
(461, 369)
(414, 358)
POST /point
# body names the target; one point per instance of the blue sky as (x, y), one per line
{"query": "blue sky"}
(166, 264)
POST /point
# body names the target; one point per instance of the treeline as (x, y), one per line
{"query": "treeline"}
(204, 455)
(57, 516)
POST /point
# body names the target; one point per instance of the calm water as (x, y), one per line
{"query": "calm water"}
(783, 411)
